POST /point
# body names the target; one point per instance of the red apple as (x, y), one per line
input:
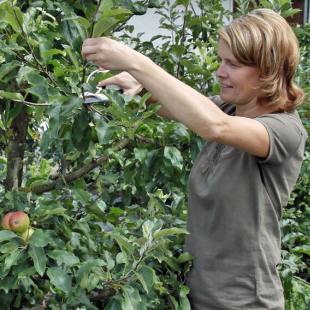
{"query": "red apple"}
(5, 221)
(26, 235)
(19, 222)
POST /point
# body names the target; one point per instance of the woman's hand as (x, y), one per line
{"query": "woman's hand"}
(128, 83)
(109, 54)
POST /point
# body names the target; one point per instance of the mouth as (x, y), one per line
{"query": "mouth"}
(225, 86)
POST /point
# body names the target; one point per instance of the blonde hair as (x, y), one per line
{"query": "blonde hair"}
(264, 39)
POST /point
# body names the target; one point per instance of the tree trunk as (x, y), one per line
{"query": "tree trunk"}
(16, 144)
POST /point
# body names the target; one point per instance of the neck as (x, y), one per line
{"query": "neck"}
(254, 111)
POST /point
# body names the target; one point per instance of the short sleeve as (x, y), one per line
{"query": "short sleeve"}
(287, 136)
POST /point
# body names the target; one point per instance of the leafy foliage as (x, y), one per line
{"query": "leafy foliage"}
(105, 186)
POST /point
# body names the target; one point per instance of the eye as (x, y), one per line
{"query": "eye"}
(235, 64)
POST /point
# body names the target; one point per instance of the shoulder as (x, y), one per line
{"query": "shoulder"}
(286, 132)
(290, 121)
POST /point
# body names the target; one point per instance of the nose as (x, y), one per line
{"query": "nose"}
(221, 71)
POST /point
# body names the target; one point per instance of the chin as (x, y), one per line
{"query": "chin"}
(226, 98)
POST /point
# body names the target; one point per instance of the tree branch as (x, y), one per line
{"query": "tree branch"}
(75, 175)
(182, 41)
(102, 294)
(27, 102)
(143, 139)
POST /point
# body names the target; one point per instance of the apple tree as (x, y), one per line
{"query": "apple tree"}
(104, 184)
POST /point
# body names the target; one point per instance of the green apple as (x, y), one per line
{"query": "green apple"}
(19, 222)
(5, 221)
(39, 296)
(44, 285)
(26, 235)
(69, 248)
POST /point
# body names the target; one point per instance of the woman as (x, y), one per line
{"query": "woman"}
(247, 168)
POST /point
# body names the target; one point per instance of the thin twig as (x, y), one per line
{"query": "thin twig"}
(94, 19)
(182, 41)
(31, 50)
(90, 36)
(141, 138)
(301, 280)
(28, 103)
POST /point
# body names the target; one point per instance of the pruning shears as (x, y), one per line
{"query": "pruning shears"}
(98, 96)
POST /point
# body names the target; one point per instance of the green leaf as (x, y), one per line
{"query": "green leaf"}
(7, 235)
(80, 195)
(150, 228)
(9, 247)
(52, 52)
(6, 68)
(71, 103)
(184, 2)
(132, 299)
(27, 272)
(146, 276)
(179, 50)
(104, 25)
(169, 231)
(11, 260)
(39, 239)
(80, 138)
(40, 91)
(98, 209)
(64, 257)
(80, 183)
(92, 282)
(71, 32)
(74, 55)
(172, 263)
(47, 211)
(175, 156)
(39, 258)
(290, 13)
(184, 290)
(82, 274)
(114, 304)
(6, 284)
(121, 258)
(59, 278)
(123, 243)
(184, 257)
(109, 259)
(109, 13)
(82, 226)
(140, 153)
(13, 96)
(302, 249)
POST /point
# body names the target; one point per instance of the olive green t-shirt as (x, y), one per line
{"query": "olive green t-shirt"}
(235, 204)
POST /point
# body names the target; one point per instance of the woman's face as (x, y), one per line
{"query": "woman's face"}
(238, 81)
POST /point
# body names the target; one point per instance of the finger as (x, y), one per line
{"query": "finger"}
(108, 81)
(89, 41)
(87, 50)
(90, 57)
(103, 70)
